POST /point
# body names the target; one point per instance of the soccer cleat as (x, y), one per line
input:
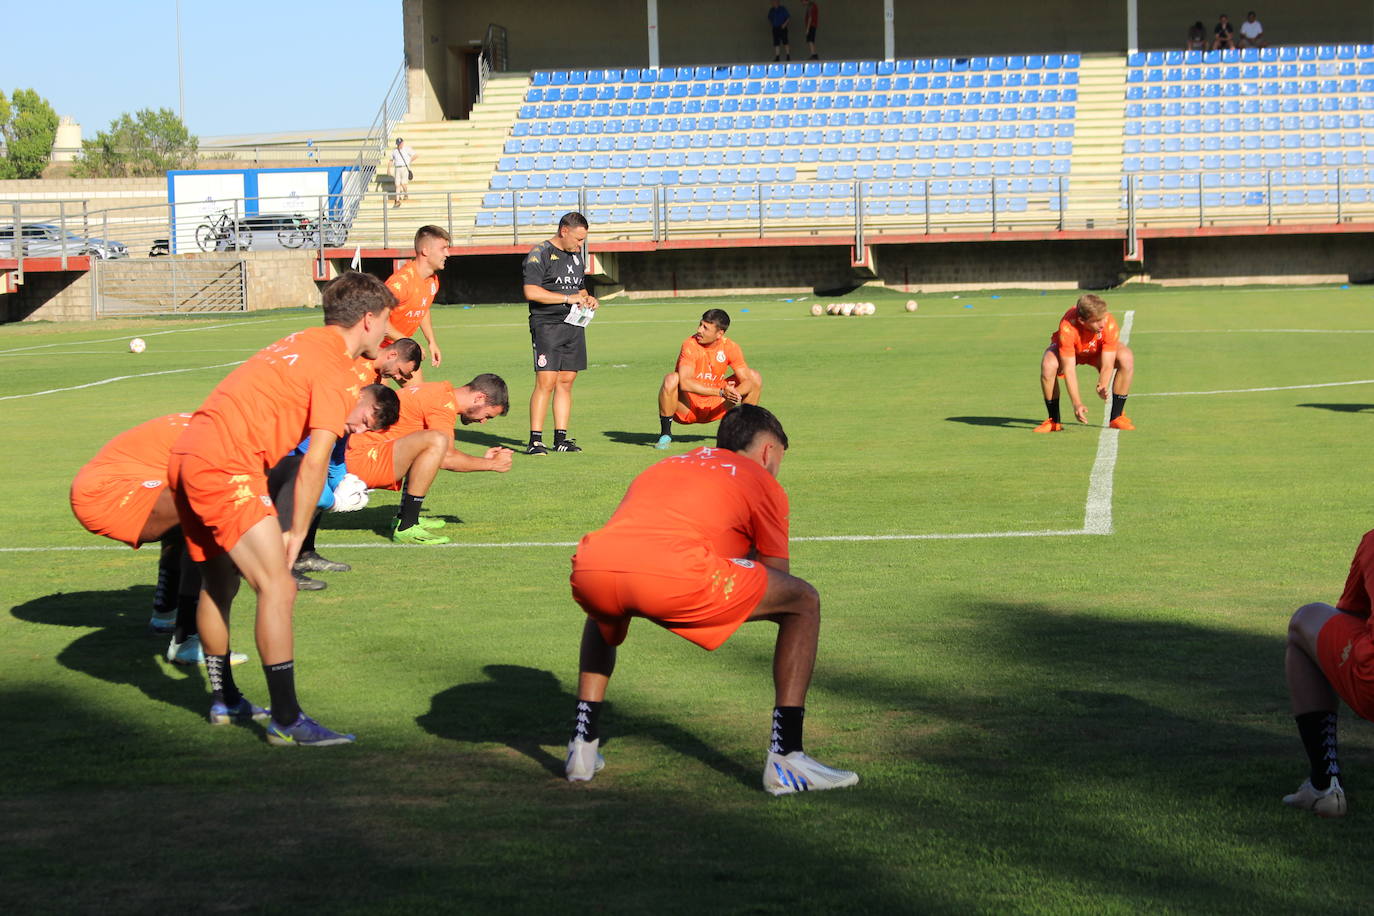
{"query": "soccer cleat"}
(304, 732)
(1049, 426)
(537, 448)
(163, 623)
(431, 524)
(306, 584)
(1122, 422)
(310, 561)
(584, 759)
(663, 441)
(1328, 802)
(242, 711)
(190, 652)
(567, 445)
(415, 534)
(796, 772)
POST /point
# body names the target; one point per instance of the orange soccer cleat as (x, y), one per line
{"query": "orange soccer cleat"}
(1049, 426)
(1122, 422)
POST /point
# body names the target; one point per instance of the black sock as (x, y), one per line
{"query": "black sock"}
(536, 435)
(588, 724)
(168, 574)
(281, 687)
(1052, 408)
(410, 510)
(221, 677)
(1118, 405)
(1318, 732)
(308, 546)
(665, 426)
(787, 729)
(186, 617)
(559, 435)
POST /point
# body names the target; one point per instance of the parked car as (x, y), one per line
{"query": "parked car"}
(45, 240)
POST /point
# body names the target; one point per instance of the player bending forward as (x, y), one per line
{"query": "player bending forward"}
(711, 377)
(1087, 336)
(675, 552)
(1331, 654)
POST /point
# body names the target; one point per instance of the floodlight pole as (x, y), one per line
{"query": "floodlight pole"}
(889, 38)
(652, 10)
(1132, 26)
(181, 73)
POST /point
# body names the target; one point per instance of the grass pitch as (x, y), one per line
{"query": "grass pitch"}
(1042, 724)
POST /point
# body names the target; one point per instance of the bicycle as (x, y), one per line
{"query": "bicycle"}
(223, 232)
(305, 231)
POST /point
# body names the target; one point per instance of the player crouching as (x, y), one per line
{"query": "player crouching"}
(1087, 336)
(675, 552)
(711, 377)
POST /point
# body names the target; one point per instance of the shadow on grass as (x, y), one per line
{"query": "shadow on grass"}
(622, 437)
(1004, 422)
(121, 650)
(1342, 408)
(527, 709)
(484, 441)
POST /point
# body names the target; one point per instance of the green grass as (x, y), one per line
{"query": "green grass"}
(1065, 724)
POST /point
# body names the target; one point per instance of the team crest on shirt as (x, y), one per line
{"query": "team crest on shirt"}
(747, 564)
(720, 356)
(266, 500)
(152, 484)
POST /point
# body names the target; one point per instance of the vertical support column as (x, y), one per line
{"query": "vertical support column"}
(1132, 26)
(889, 39)
(652, 6)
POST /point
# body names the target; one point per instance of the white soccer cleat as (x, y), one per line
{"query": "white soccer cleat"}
(584, 760)
(796, 772)
(1328, 802)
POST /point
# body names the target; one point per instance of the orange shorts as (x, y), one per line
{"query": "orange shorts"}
(116, 507)
(701, 409)
(1345, 653)
(374, 465)
(704, 603)
(1081, 359)
(215, 505)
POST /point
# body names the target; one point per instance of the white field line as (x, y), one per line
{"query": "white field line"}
(207, 327)
(1264, 331)
(1175, 394)
(117, 378)
(1097, 515)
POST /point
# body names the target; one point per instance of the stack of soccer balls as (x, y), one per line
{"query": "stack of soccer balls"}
(844, 308)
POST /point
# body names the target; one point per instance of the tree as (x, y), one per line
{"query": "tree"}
(29, 126)
(146, 144)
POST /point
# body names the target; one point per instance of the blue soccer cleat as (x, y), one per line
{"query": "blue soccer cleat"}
(190, 652)
(242, 711)
(304, 732)
(663, 442)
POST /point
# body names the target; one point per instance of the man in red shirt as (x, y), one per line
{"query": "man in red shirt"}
(710, 378)
(1330, 657)
(301, 386)
(698, 546)
(1087, 336)
(415, 285)
(811, 17)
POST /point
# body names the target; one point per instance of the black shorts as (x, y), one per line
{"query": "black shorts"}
(558, 347)
(780, 37)
(811, 35)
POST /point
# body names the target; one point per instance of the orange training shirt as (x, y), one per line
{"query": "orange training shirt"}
(414, 294)
(709, 366)
(1074, 338)
(429, 405)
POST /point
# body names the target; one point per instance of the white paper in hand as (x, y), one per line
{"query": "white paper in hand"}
(580, 316)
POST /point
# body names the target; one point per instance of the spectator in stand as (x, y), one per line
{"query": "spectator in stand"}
(811, 17)
(1224, 35)
(778, 18)
(401, 158)
(1197, 37)
(1252, 32)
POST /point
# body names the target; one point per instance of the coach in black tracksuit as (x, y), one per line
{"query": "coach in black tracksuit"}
(555, 277)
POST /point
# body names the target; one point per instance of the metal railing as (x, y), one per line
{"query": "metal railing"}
(1268, 197)
(169, 286)
(305, 152)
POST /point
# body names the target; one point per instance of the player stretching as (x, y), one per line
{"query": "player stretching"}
(420, 444)
(1331, 654)
(699, 390)
(554, 282)
(302, 385)
(681, 550)
(415, 286)
(1087, 336)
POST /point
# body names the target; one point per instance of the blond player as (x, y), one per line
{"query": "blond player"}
(1087, 336)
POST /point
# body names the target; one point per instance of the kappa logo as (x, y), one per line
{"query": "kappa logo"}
(152, 484)
(720, 356)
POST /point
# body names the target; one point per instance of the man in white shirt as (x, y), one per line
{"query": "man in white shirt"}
(1251, 33)
(401, 158)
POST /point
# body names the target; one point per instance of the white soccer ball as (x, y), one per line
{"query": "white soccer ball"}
(871, 310)
(833, 308)
(911, 305)
(818, 309)
(847, 309)
(137, 345)
(350, 495)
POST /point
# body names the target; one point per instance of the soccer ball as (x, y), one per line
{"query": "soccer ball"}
(350, 495)
(137, 345)
(847, 309)
(817, 309)
(911, 305)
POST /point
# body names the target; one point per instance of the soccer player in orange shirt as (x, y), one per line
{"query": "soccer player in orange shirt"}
(397, 361)
(711, 377)
(1330, 657)
(415, 286)
(699, 546)
(420, 444)
(303, 385)
(1087, 336)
